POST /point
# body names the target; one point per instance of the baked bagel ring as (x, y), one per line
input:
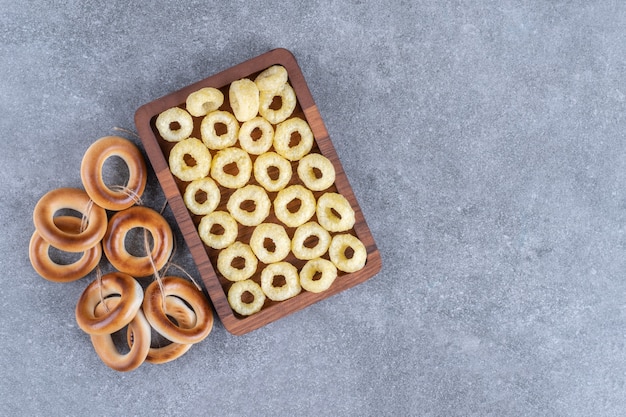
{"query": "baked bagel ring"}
(74, 199)
(105, 347)
(114, 241)
(114, 283)
(91, 172)
(185, 317)
(39, 254)
(156, 312)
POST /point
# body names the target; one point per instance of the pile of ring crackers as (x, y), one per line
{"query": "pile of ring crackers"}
(239, 173)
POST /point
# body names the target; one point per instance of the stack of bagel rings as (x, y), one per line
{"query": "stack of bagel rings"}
(261, 195)
(171, 306)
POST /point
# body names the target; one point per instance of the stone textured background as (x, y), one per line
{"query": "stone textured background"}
(483, 140)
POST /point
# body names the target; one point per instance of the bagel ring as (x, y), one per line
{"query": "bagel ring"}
(307, 167)
(301, 249)
(105, 347)
(75, 199)
(272, 78)
(267, 162)
(287, 104)
(238, 289)
(138, 217)
(198, 152)
(334, 212)
(279, 238)
(186, 319)
(229, 156)
(309, 271)
(39, 254)
(91, 172)
(303, 213)
(174, 124)
(204, 101)
(231, 255)
(261, 205)
(289, 289)
(218, 240)
(243, 96)
(337, 253)
(156, 312)
(263, 143)
(114, 283)
(209, 129)
(209, 188)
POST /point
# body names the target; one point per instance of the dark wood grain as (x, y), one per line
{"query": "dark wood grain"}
(205, 258)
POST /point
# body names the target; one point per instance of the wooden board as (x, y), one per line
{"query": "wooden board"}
(205, 258)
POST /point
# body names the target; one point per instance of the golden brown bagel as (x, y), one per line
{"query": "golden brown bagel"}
(74, 199)
(186, 319)
(120, 224)
(156, 312)
(107, 351)
(91, 172)
(114, 283)
(39, 254)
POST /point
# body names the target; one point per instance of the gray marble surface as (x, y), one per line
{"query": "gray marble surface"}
(483, 140)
